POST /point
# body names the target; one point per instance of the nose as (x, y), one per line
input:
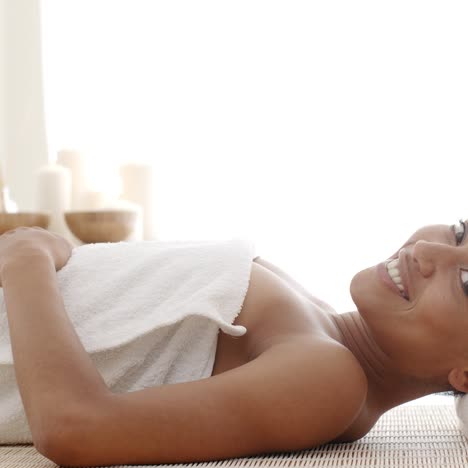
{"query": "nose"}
(429, 256)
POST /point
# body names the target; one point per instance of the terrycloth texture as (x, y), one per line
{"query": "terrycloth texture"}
(461, 408)
(148, 313)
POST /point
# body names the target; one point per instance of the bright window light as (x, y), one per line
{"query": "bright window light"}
(327, 132)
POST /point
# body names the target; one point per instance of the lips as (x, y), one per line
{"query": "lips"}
(385, 278)
(403, 273)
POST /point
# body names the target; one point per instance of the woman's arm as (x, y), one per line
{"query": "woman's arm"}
(55, 375)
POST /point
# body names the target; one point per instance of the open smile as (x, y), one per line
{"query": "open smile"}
(393, 273)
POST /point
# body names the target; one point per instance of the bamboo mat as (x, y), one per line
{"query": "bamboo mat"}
(407, 436)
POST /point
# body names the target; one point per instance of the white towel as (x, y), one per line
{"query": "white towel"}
(148, 313)
(461, 409)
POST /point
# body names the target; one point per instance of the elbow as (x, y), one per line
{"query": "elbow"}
(58, 442)
(57, 448)
(61, 436)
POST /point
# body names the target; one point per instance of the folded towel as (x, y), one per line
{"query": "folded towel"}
(148, 313)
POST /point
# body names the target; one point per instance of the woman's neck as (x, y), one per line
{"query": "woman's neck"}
(387, 387)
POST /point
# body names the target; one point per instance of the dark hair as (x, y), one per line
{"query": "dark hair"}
(452, 392)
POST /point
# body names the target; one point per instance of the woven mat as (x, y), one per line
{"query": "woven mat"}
(406, 436)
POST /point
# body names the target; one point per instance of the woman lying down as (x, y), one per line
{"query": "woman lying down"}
(299, 375)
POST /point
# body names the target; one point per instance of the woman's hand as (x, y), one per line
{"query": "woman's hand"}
(22, 242)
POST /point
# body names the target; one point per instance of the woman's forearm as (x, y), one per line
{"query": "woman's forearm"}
(53, 370)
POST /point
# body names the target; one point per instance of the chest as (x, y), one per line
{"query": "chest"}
(272, 312)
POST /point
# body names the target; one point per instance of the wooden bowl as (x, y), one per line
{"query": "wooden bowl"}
(13, 220)
(92, 227)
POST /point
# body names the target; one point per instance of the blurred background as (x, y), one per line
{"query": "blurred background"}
(325, 132)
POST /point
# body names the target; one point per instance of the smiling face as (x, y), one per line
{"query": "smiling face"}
(419, 317)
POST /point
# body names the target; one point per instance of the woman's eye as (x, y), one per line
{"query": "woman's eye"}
(459, 230)
(464, 281)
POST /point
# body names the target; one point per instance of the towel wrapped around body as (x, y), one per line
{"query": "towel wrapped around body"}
(148, 313)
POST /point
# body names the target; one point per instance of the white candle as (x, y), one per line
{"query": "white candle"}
(2, 199)
(76, 162)
(137, 186)
(54, 196)
(93, 200)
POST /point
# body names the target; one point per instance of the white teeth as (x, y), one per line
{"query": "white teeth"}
(393, 272)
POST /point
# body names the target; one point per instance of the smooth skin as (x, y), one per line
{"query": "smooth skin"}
(391, 351)
(54, 373)
(410, 349)
(413, 348)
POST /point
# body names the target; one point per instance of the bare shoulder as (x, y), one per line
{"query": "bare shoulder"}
(336, 384)
(320, 390)
(260, 263)
(296, 395)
